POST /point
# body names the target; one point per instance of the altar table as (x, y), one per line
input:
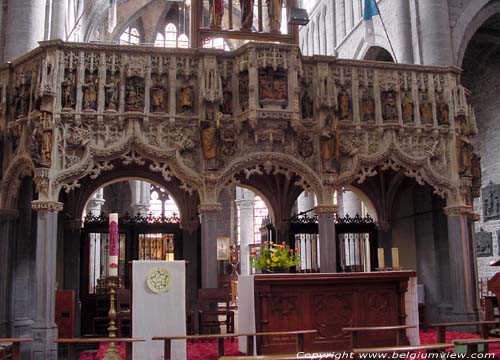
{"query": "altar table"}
(327, 303)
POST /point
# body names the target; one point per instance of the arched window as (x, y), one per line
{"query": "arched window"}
(168, 38)
(130, 36)
(217, 43)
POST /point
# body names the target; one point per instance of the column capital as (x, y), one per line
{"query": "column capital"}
(209, 208)
(9, 213)
(459, 210)
(46, 205)
(190, 225)
(326, 209)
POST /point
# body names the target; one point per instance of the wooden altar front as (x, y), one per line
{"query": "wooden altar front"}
(328, 303)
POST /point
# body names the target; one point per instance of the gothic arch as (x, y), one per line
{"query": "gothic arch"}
(472, 18)
(18, 168)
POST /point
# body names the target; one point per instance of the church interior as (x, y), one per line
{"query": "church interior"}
(173, 169)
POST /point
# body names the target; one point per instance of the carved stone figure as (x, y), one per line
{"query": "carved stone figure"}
(227, 94)
(476, 175)
(90, 93)
(344, 105)
(307, 105)
(389, 107)
(158, 94)
(216, 13)
(243, 90)
(22, 99)
(464, 155)
(443, 111)
(425, 111)
(274, 12)
(68, 92)
(407, 107)
(209, 140)
(134, 96)
(46, 148)
(367, 106)
(305, 147)
(112, 92)
(186, 95)
(246, 14)
(273, 86)
(329, 146)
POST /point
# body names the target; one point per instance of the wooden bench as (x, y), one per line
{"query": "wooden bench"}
(400, 332)
(472, 345)
(16, 345)
(484, 328)
(220, 340)
(432, 348)
(72, 342)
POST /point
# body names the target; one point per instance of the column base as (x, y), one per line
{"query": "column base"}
(44, 346)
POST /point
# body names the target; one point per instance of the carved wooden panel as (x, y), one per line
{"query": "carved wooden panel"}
(484, 244)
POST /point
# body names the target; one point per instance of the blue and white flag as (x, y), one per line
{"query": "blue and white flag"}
(369, 12)
(112, 16)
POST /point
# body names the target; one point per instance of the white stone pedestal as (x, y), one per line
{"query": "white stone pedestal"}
(156, 314)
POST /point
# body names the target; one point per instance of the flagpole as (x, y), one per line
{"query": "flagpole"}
(385, 30)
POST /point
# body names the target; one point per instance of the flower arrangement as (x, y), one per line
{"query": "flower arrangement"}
(274, 256)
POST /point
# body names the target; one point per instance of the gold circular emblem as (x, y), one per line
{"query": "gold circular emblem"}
(159, 280)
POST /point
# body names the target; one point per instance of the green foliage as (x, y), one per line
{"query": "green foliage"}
(274, 256)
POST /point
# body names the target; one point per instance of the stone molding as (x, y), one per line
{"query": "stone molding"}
(51, 206)
(210, 208)
(326, 209)
(9, 213)
(459, 210)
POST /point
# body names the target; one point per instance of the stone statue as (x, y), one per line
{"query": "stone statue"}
(274, 12)
(464, 149)
(112, 93)
(158, 93)
(186, 95)
(407, 108)
(246, 14)
(216, 13)
(329, 146)
(243, 90)
(367, 106)
(134, 94)
(426, 111)
(389, 108)
(209, 139)
(227, 94)
(344, 105)
(90, 93)
(307, 105)
(46, 148)
(443, 111)
(68, 93)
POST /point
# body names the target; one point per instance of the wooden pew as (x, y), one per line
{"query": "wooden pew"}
(483, 325)
(16, 345)
(472, 345)
(399, 329)
(79, 341)
(220, 340)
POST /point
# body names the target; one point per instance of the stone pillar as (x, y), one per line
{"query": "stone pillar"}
(25, 26)
(461, 267)
(58, 21)
(7, 222)
(95, 204)
(72, 236)
(403, 42)
(141, 197)
(306, 201)
(245, 200)
(44, 327)
(352, 204)
(435, 36)
(327, 241)
(208, 219)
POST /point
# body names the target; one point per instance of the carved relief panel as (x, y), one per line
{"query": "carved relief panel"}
(484, 244)
(491, 202)
(273, 87)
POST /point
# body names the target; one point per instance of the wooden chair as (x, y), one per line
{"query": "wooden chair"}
(211, 314)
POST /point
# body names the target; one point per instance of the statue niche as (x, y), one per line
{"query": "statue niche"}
(159, 94)
(367, 105)
(307, 105)
(442, 110)
(90, 89)
(185, 95)
(68, 91)
(330, 146)
(389, 106)
(273, 87)
(112, 91)
(344, 104)
(23, 96)
(41, 140)
(226, 107)
(426, 117)
(243, 90)
(209, 138)
(407, 108)
(134, 94)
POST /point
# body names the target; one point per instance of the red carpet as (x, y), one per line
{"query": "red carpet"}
(207, 350)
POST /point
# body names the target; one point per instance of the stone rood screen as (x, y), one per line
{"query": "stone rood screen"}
(240, 20)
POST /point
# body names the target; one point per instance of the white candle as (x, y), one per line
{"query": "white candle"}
(395, 258)
(113, 245)
(381, 260)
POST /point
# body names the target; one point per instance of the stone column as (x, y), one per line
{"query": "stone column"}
(460, 241)
(306, 201)
(24, 27)
(141, 197)
(7, 222)
(327, 241)
(72, 236)
(435, 36)
(245, 200)
(58, 21)
(44, 327)
(403, 42)
(95, 204)
(352, 204)
(208, 219)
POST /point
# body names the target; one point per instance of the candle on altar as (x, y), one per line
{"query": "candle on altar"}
(395, 258)
(381, 260)
(113, 245)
